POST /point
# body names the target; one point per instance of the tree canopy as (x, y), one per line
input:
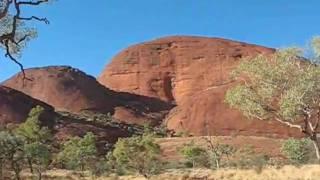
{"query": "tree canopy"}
(14, 31)
(283, 87)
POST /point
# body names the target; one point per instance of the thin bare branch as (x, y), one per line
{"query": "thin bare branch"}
(11, 37)
(45, 20)
(32, 3)
(290, 124)
(8, 54)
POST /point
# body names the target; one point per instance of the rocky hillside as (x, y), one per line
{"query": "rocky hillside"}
(69, 89)
(176, 81)
(15, 107)
(193, 73)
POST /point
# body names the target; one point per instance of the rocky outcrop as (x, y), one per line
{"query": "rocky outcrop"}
(193, 73)
(63, 87)
(15, 106)
(69, 89)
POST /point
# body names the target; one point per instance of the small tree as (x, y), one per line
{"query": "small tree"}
(195, 155)
(11, 152)
(38, 157)
(31, 130)
(217, 151)
(280, 87)
(15, 32)
(36, 141)
(296, 150)
(138, 154)
(79, 153)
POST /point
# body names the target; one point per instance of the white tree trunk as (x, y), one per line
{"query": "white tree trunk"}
(316, 148)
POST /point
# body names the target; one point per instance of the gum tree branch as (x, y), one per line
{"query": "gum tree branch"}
(11, 37)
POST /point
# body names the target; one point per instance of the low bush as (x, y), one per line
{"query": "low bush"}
(297, 151)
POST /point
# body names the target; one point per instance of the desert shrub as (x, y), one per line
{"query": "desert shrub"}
(194, 155)
(36, 141)
(138, 154)
(38, 157)
(12, 154)
(297, 151)
(31, 130)
(247, 158)
(79, 153)
(218, 152)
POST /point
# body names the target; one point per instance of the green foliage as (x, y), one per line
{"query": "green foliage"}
(286, 89)
(22, 31)
(195, 156)
(139, 154)
(219, 151)
(246, 158)
(79, 153)
(38, 157)
(11, 149)
(297, 150)
(31, 130)
(283, 88)
(36, 141)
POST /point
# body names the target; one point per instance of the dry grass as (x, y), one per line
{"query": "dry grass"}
(307, 172)
(169, 146)
(261, 145)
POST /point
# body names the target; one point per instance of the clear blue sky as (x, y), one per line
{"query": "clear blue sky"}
(86, 34)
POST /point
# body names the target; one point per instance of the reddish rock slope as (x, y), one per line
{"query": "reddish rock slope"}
(192, 72)
(69, 89)
(15, 106)
(65, 88)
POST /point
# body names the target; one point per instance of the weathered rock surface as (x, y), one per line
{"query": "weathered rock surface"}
(71, 90)
(193, 73)
(63, 87)
(15, 106)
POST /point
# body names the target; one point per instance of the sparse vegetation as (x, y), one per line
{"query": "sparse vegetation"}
(79, 153)
(36, 140)
(139, 154)
(12, 154)
(247, 158)
(297, 150)
(195, 155)
(216, 151)
(286, 89)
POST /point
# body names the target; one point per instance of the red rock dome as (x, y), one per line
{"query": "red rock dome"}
(69, 89)
(193, 73)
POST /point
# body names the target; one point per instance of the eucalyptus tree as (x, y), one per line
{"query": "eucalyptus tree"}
(283, 87)
(37, 139)
(14, 30)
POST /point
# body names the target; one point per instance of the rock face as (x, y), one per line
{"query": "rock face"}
(71, 90)
(15, 106)
(65, 88)
(193, 73)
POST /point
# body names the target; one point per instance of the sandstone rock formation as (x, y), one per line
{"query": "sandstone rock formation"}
(15, 106)
(65, 88)
(69, 89)
(193, 73)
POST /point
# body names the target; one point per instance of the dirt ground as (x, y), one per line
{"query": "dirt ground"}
(263, 145)
(307, 172)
